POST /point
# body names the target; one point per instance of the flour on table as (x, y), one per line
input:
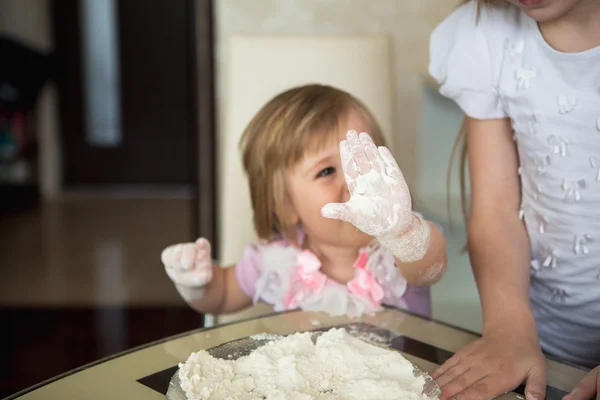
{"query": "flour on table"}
(380, 338)
(265, 336)
(337, 366)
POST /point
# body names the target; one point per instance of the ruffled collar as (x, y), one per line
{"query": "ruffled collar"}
(309, 278)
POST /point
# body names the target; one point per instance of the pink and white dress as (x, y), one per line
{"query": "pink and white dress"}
(288, 277)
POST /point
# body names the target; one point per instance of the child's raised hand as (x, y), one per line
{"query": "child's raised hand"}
(189, 265)
(380, 203)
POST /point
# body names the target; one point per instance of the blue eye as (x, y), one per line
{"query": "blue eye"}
(326, 172)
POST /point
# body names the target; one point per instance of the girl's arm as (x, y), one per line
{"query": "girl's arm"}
(498, 242)
(432, 266)
(205, 286)
(223, 294)
(500, 254)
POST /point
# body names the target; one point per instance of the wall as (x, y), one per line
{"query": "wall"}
(440, 121)
(30, 21)
(408, 23)
(426, 125)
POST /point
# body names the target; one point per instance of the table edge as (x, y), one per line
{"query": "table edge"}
(205, 329)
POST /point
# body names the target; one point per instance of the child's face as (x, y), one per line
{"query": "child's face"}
(318, 179)
(548, 10)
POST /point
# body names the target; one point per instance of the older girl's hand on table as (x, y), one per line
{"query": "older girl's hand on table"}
(588, 388)
(498, 362)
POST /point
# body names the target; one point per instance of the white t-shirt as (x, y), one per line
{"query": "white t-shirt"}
(502, 67)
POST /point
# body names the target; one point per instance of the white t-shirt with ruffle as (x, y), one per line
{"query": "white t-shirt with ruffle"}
(502, 67)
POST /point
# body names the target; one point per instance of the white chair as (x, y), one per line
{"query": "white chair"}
(258, 68)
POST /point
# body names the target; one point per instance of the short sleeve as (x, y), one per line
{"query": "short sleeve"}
(248, 269)
(459, 60)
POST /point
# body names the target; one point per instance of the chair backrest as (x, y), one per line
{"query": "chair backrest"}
(258, 68)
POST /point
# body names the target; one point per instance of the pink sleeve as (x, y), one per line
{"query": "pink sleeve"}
(248, 269)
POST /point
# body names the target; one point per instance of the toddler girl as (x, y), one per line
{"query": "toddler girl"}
(335, 221)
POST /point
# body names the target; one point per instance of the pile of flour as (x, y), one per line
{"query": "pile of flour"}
(337, 366)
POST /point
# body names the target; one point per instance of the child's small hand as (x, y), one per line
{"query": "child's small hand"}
(189, 265)
(588, 388)
(380, 203)
(494, 364)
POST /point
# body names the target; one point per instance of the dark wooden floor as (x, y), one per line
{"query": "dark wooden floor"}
(81, 279)
(38, 344)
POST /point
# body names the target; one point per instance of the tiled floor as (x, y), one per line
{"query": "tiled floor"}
(82, 279)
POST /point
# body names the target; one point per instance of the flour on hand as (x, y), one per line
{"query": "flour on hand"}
(380, 204)
(337, 366)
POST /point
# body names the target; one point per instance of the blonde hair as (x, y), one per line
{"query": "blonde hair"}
(292, 123)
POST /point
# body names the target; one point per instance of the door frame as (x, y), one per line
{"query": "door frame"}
(203, 145)
(204, 102)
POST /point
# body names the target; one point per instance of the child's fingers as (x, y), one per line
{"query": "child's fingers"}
(393, 175)
(535, 383)
(188, 256)
(171, 256)
(203, 244)
(180, 260)
(391, 166)
(190, 278)
(451, 374)
(358, 152)
(349, 167)
(203, 276)
(203, 260)
(202, 251)
(486, 388)
(459, 386)
(588, 388)
(167, 255)
(372, 152)
(340, 211)
(455, 360)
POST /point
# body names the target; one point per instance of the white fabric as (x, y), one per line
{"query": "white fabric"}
(280, 264)
(503, 67)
